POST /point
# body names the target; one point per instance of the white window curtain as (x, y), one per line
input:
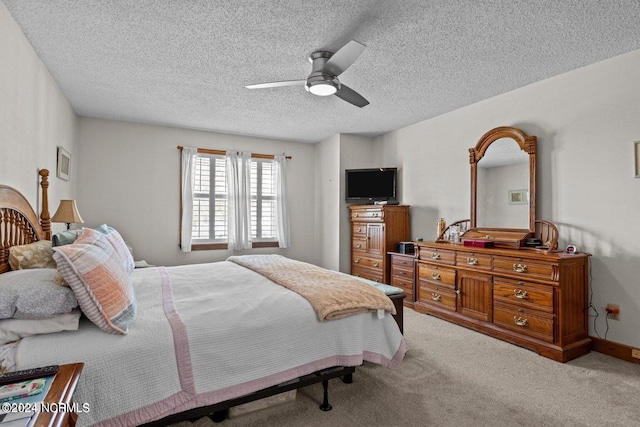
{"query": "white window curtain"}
(284, 239)
(239, 191)
(186, 222)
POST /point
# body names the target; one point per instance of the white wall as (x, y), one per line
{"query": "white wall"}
(327, 186)
(130, 179)
(35, 118)
(586, 122)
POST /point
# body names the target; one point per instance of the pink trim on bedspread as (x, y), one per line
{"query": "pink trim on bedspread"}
(187, 398)
(180, 339)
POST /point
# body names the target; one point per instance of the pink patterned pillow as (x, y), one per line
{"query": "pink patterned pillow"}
(119, 245)
(95, 271)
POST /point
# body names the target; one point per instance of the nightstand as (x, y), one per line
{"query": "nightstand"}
(61, 393)
(403, 275)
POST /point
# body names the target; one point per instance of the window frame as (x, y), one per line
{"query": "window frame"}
(217, 244)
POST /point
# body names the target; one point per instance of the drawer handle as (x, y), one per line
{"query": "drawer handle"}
(435, 297)
(519, 293)
(376, 264)
(472, 261)
(359, 245)
(356, 260)
(376, 280)
(355, 215)
(435, 255)
(435, 276)
(358, 229)
(520, 268)
(520, 321)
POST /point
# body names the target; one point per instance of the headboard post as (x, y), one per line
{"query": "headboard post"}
(45, 217)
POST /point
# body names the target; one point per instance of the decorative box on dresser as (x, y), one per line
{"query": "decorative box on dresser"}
(403, 275)
(534, 299)
(375, 229)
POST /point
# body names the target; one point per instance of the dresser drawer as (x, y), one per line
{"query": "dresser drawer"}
(405, 284)
(359, 244)
(367, 273)
(402, 261)
(400, 272)
(367, 214)
(473, 259)
(523, 294)
(366, 262)
(533, 323)
(527, 268)
(439, 296)
(359, 230)
(437, 275)
(440, 256)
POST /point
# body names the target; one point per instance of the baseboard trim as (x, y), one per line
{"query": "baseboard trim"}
(613, 349)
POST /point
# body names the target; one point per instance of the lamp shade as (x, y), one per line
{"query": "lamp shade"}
(67, 212)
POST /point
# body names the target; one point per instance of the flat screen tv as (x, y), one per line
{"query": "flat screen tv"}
(370, 185)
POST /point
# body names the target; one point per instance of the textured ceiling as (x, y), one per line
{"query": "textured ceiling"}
(185, 63)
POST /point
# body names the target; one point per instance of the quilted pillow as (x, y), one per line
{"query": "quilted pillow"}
(33, 255)
(95, 272)
(34, 294)
(119, 245)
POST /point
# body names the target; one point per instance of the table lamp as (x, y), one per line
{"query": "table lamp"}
(67, 212)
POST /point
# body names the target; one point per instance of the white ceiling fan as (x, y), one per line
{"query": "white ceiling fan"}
(325, 68)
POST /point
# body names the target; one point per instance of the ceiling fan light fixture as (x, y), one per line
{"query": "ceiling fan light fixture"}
(322, 85)
(323, 89)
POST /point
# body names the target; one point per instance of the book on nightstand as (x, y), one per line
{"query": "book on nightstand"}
(20, 400)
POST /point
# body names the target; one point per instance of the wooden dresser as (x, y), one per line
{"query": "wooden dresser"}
(530, 298)
(375, 230)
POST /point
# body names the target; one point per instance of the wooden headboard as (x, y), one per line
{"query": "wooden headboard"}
(19, 224)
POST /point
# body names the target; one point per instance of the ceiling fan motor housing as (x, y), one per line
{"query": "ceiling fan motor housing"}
(320, 82)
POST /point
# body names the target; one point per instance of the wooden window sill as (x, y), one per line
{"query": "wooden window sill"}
(218, 246)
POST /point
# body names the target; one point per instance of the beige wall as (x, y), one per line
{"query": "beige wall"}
(586, 122)
(35, 118)
(130, 179)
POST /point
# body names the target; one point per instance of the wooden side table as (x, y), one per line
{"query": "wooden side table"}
(61, 393)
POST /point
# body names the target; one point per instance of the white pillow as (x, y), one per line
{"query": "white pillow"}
(14, 329)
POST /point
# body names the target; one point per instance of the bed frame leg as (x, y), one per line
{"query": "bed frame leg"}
(218, 416)
(325, 403)
(347, 379)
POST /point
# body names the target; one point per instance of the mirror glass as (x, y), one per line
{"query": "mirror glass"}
(503, 186)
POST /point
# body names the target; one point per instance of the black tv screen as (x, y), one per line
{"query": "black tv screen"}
(364, 185)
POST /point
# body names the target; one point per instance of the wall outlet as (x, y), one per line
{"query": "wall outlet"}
(635, 353)
(613, 311)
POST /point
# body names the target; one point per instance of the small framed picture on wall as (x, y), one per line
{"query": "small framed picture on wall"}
(64, 163)
(518, 197)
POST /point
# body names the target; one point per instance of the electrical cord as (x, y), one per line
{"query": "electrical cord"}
(593, 307)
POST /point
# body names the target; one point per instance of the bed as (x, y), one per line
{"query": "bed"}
(204, 337)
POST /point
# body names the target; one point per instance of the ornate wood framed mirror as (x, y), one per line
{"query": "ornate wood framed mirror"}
(503, 187)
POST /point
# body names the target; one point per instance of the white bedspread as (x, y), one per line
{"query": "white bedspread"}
(219, 332)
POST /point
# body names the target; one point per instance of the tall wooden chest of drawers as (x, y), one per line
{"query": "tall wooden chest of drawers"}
(534, 299)
(375, 230)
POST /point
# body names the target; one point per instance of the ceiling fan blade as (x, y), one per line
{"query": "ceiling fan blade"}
(276, 84)
(343, 58)
(351, 96)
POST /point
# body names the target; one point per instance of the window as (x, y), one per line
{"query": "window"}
(210, 202)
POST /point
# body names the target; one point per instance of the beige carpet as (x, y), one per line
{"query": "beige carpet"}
(453, 376)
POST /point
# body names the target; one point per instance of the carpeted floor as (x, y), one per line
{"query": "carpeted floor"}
(452, 376)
